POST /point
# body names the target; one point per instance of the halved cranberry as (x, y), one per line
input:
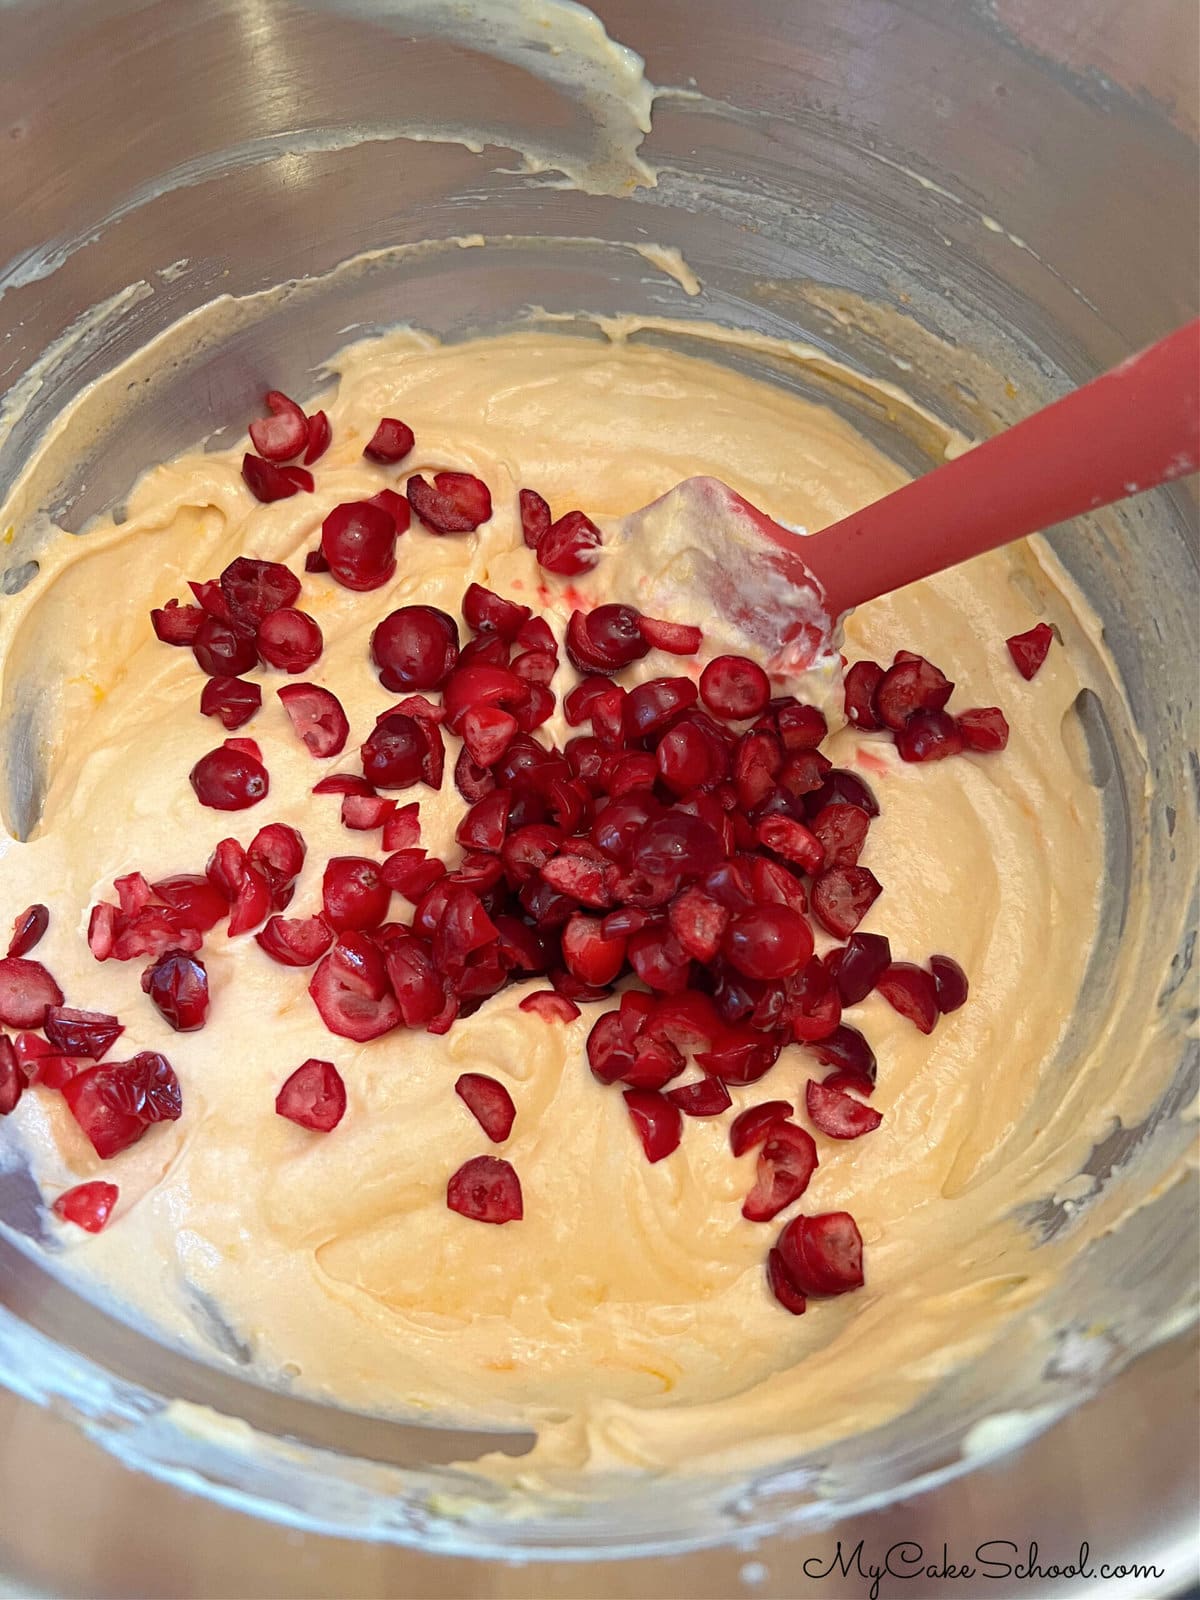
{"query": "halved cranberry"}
(344, 783)
(489, 1103)
(363, 813)
(353, 893)
(225, 649)
(698, 922)
(358, 540)
(284, 433)
(657, 1121)
(319, 436)
(676, 638)
(772, 941)
(177, 983)
(688, 758)
(734, 687)
(929, 736)
(847, 1050)
(394, 752)
(842, 897)
(28, 929)
(535, 517)
(1030, 649)
(415, 647)
(752, 1126)
(176, 624)
(210, 596)
(90, 1034)
(740, 1056)
(912, 992)
(252, 589)
(233, 700)
(910, 686)
(295, 941)
(87, 1205)
(793, 841)
(588, 953)
(549, 1005)
(229, 780)
(822, 1255)
(314, 1096)
(838, 1114)
(841, 830)
(268, 482)
(782, 1287)
(651, 705)
(391, 441)
(484, 825)
(317, 717)
(985, 729)
(861, 685)
(350, 991)
(115, 1104)
(27, 991)
(859, 966)
(474, 686)
(707, 1097)
(570, 545)
(950, 982)
(605, 640)
(804, 776)
(786, 1163)
(290, 640)
(486, 1189)
(455, 502)
(838, 784)
(416, 983)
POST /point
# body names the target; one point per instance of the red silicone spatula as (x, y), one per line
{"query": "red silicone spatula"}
(1134, 428)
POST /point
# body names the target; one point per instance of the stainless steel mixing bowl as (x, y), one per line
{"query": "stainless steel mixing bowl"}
(982, 202)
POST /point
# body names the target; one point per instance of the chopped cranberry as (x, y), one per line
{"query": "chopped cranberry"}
(592, 956)
(402, 828)
(707, 1097)
(229, 780)
(651, 705)
(363, 813)
(950, 983)
(486, 1189)
(353, 893)
(211, 597)
(268, 482)
(838, 784)
(859, 965)
(814, 1006)
(929, 736)
(752, 1126)
(912, 685)
(805, 774)
(290, 640)
(178, 985)
(197, 902)
(391, 441)
(570, 545)
(319, 436)
(487, 732)
(410, 873)
(861, 686)
(233, 700)
(317, 717)
(358, 540)
(313, 1097)
(28, 929)
(176, 624)
(489, 1103)
(837, 1114)
(677, 846)
(551, 1006)
(793, 841)
(772, 941)
(1030, 649)
(350, 991)
(822, 1255)
(757, 764)
(396, 506)
(115, 1104)
(278, 852)
(295, 941)
(657, 1121)
(841, 829)
(535, 517)
(577, 702)
(415, 647)
(487, 612)
(344, 783)
(842, 897)
(698, 922)
(87, 1205)
(786, 1163)
(734, 687)
(740, 1056)
(605, 640)
(225, 649)
(90, 1034)
(782, 1287)
(394, 753)
(455, 502)
(912, 992)
(800, 727)
(27, 991)
(984, 729)
(773, 884)
(676, 638)
(247, 888)
(12, 1079)
(690, 758)
(847, 1050)
(253, 589)
(484, 825)
(283, 434)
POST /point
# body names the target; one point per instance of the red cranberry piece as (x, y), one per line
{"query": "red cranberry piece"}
(570, 545)
(224, 649)
(657, 1121)
(363, 813)
(396, 506)
(605, 640)
(12, 1077)
(344, 783)
(841, 830)
(782, 1287)
(284, 433)
(415, 647)
(475, 686)
(611, 1044)
(196, 903)
(115, 1104)
(28, 930)
(489, 1103)
(838, 784)
(842, 897)
(487, 732)
(486, 612)
(757, 763)
(847, 1050)
(295, 941)
(814, 1006)
(176, 624)
(800, 727)
(589, 955)
(688, 758)
(278, 852)
(697, 922)
(804, 774)
(651, 705)
(793, 841)
(929, 736)
(950, 983)
(317, 717)
(402, 829)
(740, 1056)
(411, 873)
(578, 702)
(677, 845)
(912, 992)
(786, 1163)
(550, 1006)
(87, 1205)
(752, 1126)
(772, 884)
(984, 729)
(838, 1114)
(859, 965)
(861, 686)
(290, 640)
(394, 752)
(822, 1255)
(391, 441)
(486, 1189)
(676, 638)
(246, 887)
(734, 687)
(268, 482)
(358, 540)
(484, 825)
(772, 941)
(909, 687)
(232, 700)
(535, 517)
(90, 1034)
(313, 1097)
(353, 893)
(707, 1097)
(526, 851)
(319, 436)
(26, 992)
(177, 983)
(229, 780)
(455, 502)
(350, 991)
(212, 599)
(1030, 649)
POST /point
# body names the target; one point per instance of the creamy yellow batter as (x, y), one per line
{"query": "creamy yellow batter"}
(627, 1316)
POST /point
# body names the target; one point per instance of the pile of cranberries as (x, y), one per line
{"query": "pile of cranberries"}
(678, 855)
